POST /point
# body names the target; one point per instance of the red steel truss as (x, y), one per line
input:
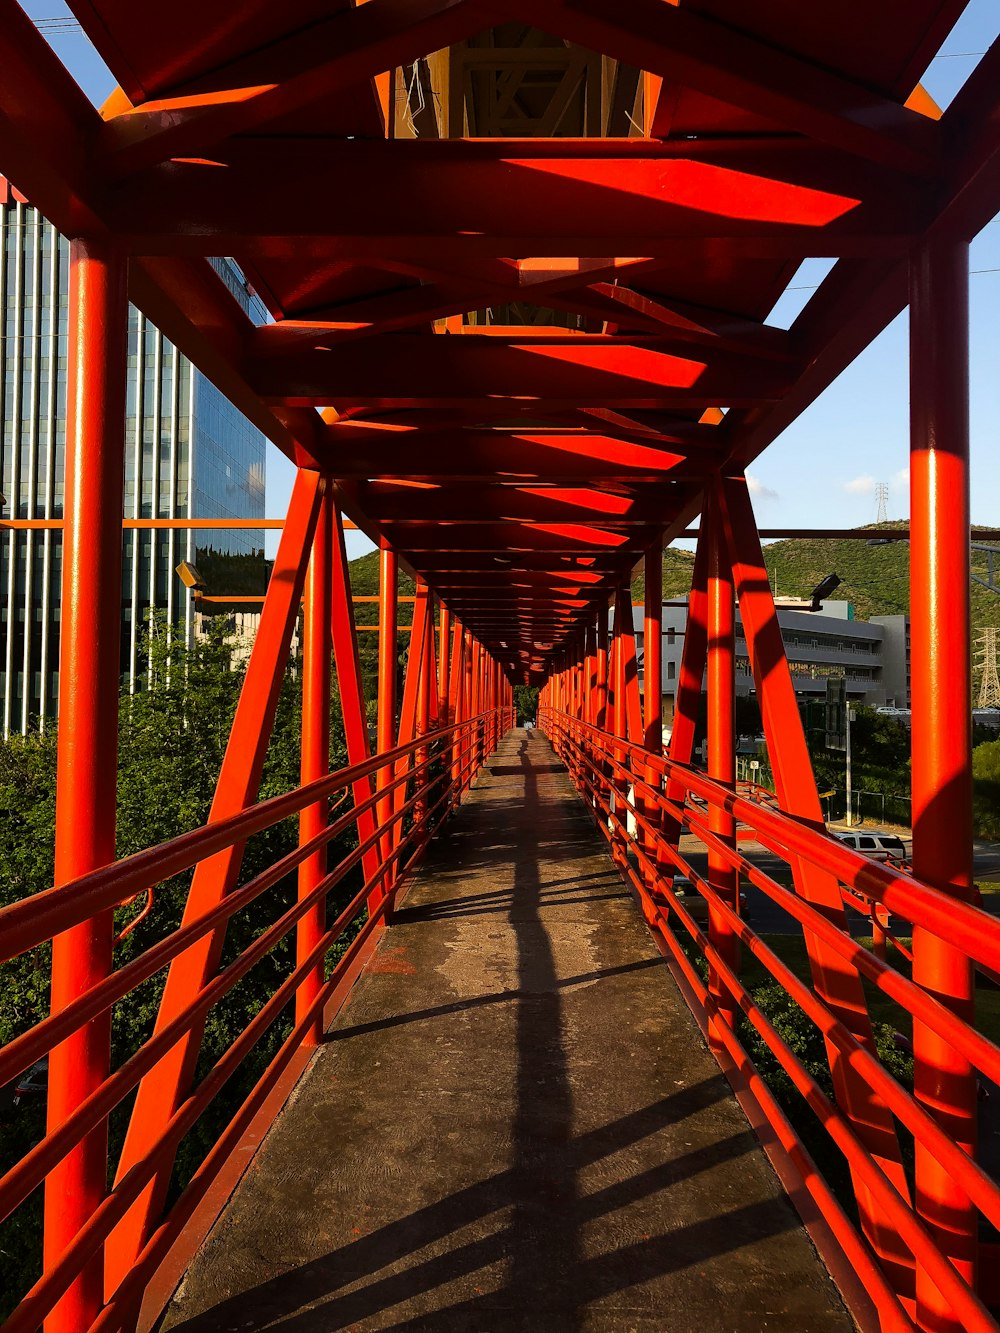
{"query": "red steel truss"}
(536, 359)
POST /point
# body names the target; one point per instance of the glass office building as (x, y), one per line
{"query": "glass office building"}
(188, 453)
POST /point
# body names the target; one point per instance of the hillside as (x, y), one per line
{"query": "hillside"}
(364, 583)
(676, 575)
(874, 578)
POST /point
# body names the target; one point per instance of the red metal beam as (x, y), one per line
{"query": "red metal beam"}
(386, 502)
(465, 455)
(348, 49)
(692, 49)
(393, 370)
(503, 199)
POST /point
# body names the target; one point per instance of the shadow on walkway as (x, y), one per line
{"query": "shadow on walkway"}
(514, 1125)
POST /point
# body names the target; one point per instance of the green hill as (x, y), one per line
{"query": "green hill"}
(876, 579)
(677, 567)
(364, 583)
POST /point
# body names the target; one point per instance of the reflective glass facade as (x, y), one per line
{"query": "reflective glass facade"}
(188, 453)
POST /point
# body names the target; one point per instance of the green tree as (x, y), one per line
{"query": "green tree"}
(173, 734)
(986, 789)
(526, 703)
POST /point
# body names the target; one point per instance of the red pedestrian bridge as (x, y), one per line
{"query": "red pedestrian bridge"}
(519, 261)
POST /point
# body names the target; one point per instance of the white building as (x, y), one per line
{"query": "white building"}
(872, 657)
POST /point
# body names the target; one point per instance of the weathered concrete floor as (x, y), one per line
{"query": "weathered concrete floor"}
(515, 1124)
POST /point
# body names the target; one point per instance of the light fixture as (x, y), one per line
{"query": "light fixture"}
(823, 589)
(189, 576)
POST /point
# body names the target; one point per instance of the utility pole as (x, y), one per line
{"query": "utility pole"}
(849, 717)
(882, 502)
(986, 655)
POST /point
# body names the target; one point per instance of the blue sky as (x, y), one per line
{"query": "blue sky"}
(824, 469)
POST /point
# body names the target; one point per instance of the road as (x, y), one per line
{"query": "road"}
(769, 919)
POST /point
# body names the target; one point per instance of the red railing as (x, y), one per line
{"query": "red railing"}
(425, 780)
(641, 803)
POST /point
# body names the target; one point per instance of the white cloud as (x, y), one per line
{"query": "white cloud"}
(756, 487)
(901, 481)
(863, 485)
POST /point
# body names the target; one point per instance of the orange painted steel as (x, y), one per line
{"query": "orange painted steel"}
(941, 694)
(388, 585)
(591, 752)
(797, 794)
(86, 794)
(519, 471)
(721, 652)
(317, 649)
(353, 712)
(23, 930)
(161, 1092)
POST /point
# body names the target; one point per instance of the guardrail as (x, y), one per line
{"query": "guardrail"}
(641, 803)
(424, 781)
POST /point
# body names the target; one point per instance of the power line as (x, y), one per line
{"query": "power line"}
(811, 287)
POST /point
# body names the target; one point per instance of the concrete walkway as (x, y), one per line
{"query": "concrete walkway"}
(515, 1124)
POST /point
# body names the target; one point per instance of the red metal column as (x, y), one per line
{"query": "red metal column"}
(386, 714)
(633, 704)
(469, 706)
(837, 983)
(315, 753)
(444, 647)
(590, 683)
(457, 707)
(88, 732)
(424, 706)
(350, 689)
(601, 700)
(687, 699)
(653, 649)
(619, 782)
(942, 721)
(721, 741)
(476, 708)
(414, 678)
(652, 682)
(161, 1090)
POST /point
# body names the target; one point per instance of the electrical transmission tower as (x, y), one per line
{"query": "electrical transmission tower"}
(882, 502)
(986, 657)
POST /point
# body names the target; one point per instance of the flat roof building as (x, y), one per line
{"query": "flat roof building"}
(820, 646)
(188, 453)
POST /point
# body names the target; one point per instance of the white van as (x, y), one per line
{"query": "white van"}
(879, 846)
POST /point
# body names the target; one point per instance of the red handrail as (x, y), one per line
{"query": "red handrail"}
(428, 774)
(630, 793)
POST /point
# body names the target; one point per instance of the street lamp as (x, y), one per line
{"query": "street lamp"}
(823, 589)
(189, 576)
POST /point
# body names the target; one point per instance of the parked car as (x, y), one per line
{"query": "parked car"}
(879, 846)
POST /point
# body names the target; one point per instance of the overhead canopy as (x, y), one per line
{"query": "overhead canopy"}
(522, 256)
